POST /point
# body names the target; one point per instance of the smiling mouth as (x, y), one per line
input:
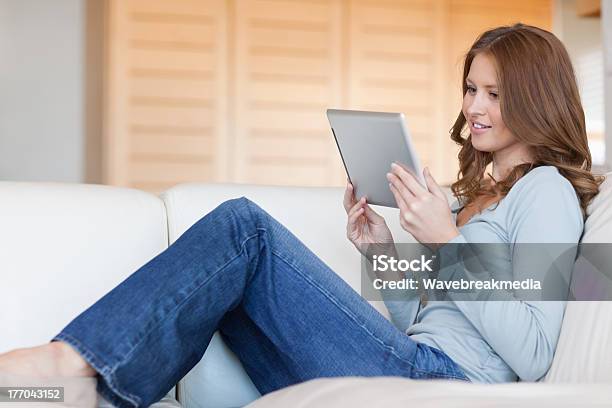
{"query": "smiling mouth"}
(477, 125)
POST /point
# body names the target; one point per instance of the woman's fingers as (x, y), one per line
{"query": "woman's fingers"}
(349, 197)
(353, 216)
(433, 186)
(406, 216)
(356, 207)
(400, 187)
(408, 180)
(372, 215)
(403, 206)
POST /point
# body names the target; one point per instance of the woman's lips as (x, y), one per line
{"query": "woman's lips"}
(476, 131)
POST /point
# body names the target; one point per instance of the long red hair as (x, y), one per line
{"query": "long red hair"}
(540, 105)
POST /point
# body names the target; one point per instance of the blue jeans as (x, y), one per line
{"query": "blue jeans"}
(288, 317)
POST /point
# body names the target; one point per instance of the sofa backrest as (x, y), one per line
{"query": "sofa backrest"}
(584, 351)
(63, 246)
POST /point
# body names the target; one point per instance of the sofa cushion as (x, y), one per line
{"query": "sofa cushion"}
(63, 246)
(599, 215)
(583, 352)
(395, 392)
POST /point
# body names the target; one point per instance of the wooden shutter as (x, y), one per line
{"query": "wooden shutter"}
(166, 102)
(287, 72)
(396, 57)
(222, 90)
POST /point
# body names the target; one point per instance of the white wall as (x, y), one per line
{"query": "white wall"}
(606, 16)
(42, 90)
(582, 37)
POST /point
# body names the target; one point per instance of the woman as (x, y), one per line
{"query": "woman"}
(289, 318)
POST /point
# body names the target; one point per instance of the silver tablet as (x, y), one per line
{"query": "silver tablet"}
(368, 143)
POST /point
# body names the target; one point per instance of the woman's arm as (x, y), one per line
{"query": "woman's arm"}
(524, 333)
(369, 233)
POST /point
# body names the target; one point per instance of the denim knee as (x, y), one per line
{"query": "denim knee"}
(243, 211)
(241, 207)
(235, 204)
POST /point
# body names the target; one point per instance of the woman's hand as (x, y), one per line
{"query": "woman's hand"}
(364, 225)
(424, 214)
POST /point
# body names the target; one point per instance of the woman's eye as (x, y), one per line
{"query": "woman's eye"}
(471, 90)
(493, 94)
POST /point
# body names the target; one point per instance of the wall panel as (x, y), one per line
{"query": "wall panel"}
(167, 92)
(393, 50)
(236, 90)
(287, 72)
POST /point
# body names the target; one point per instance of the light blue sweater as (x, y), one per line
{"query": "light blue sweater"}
(500, 341)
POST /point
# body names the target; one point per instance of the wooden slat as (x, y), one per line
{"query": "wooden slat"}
(288, 173)
(397, 43)
(286, 120)
(178, 171)
(290, 92)
(143, 30)
(288, 10)
(171, 116)
(164, 59)
(290, 148)
(152, 144)
(172, 87)
(523, 7)
(277, 37)
(173, 131)
(174, 7)
(291, 64)
(402, 17)
(394, 5)
(588, 8)
(409, 97)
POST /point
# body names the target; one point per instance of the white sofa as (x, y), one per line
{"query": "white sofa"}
(62, 246)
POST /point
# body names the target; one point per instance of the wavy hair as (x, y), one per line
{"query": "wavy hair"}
(540, 105)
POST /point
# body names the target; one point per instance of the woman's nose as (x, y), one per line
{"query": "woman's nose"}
(476, 106)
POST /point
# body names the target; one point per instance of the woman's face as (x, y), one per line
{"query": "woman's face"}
(481, 108)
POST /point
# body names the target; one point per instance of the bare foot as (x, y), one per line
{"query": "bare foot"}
(56, 359)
